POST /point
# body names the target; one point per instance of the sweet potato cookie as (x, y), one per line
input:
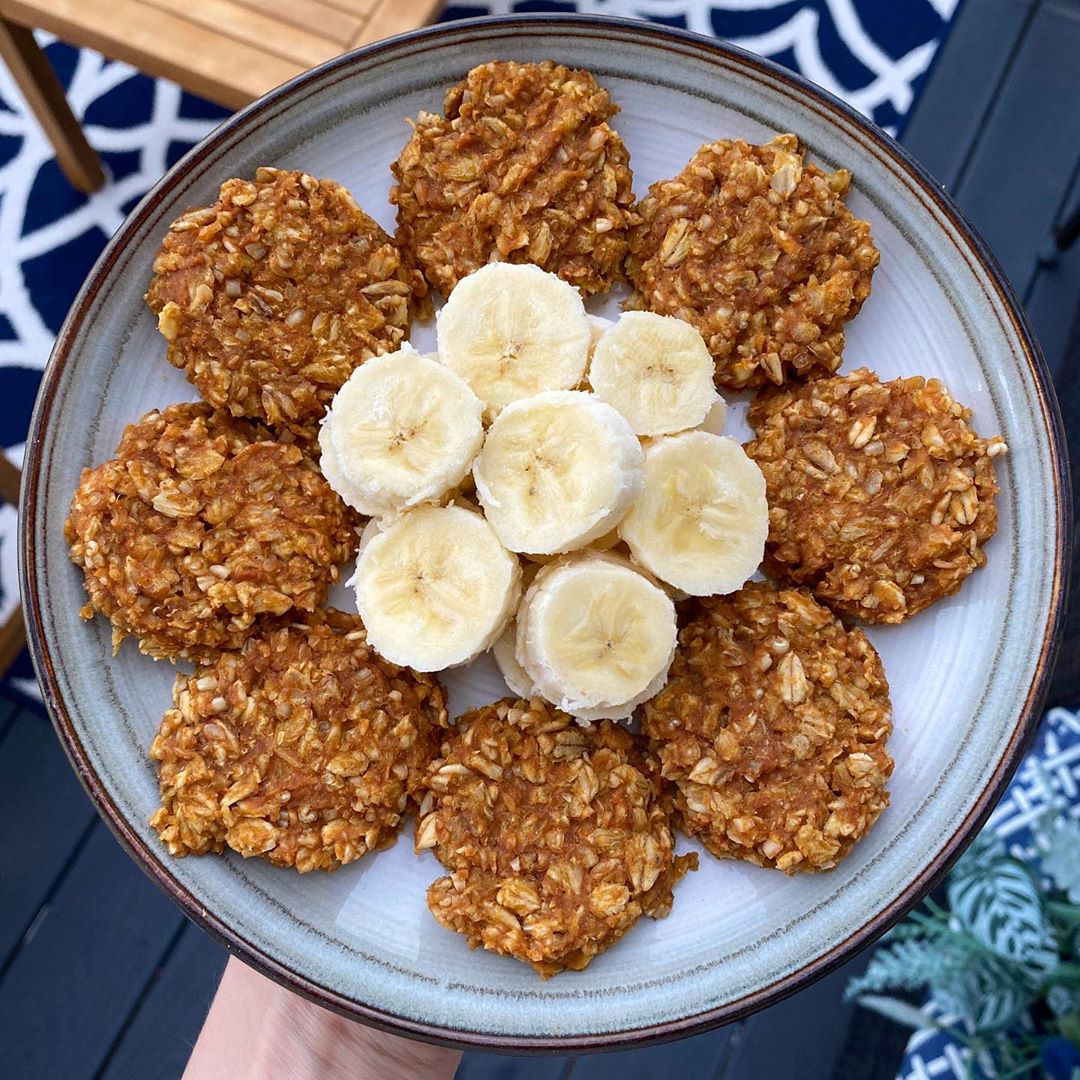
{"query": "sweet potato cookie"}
(880, 494)
(773, 726)
(757, 250)
(303, 748)
(272, 296)
(557, 838)
(200, 526)
(523, 168)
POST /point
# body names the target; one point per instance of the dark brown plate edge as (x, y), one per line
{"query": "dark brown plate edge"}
(1029, 713)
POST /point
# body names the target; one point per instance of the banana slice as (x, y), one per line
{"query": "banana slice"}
(514, 675)
(403, 430)
(435, 588)
(716, 418)
(511, 331)
(701, 521)
(604, 543)
(556, 471)
(656, 370)
(595, 637)
(368, 533)
(334, 474)
(598, 325)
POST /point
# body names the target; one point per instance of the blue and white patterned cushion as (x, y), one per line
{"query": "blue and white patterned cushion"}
(872, 53)
(1049, 773)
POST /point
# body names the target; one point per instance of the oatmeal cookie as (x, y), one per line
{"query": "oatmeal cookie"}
(272, 296)
(304, 747)
(522, 168)
(773, 726)
(557, 838)
(199, 527)
(756, 249)
(880, 494)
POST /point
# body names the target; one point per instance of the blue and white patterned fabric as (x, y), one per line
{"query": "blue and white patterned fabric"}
(1049, 775)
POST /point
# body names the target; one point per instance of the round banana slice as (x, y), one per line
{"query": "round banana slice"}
(511, 331)
(557, 471)
(435, 588)
(514, 675)
(403, 430)
(701, 521)
(656, 370)
(595, 636)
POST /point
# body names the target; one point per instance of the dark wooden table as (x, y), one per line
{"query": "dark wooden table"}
(101, 978)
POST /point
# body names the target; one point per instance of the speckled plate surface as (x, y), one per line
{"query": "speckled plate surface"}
(967, 676)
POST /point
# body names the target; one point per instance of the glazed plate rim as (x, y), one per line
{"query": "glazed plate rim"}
(1028, 712)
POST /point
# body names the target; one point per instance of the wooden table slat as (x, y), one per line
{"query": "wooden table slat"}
(160, 43)
(360, 8)
(9, 713)
(166, 1023)
(76, 980)
(1013, 186)
(944, 121)
(700, 1057)
(391, 17)
(1053, 299)
(313, 15)
(498, 1067)
(43, 814)
(224, 19)
(766, 1048)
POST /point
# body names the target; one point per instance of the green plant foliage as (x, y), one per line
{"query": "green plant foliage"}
(984, 990)
(995, 899)
(987, 996)
(1063, 1000)
(906, 965)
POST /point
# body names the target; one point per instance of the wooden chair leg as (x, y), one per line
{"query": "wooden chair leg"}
(12, 640)
(13, 630)
(10, 481)
(34, 76)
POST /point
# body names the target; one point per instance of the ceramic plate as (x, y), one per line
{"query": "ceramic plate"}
(966, 676)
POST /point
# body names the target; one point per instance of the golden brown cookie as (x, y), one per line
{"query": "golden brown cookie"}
(523, 167)
(756, 249)
(880, 495)
(557, 837)
(773, 727)
(199, 527)
(303, 748)
(270, 298)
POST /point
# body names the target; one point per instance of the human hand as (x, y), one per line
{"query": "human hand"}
(257, 1029)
